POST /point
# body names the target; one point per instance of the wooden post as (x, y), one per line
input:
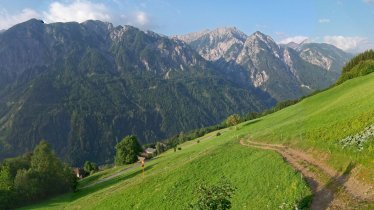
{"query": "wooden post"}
(142, 161)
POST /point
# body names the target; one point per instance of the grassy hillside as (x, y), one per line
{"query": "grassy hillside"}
(318, 124)
(262, 179)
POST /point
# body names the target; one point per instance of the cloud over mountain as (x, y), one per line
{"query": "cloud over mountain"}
(79, 11)
(296, 39)
(7, 20)
(351, 44)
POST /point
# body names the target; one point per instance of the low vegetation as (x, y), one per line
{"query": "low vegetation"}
(216, 196)
(90, 167)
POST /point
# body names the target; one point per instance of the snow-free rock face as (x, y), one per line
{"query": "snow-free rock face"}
(220, 43)
(285, 71)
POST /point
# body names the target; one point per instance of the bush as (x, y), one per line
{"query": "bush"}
(233, 120)
(90, 167)
(218, 134)
(160, 148)
(215, 196)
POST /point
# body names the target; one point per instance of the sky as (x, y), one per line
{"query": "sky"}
(347, 24)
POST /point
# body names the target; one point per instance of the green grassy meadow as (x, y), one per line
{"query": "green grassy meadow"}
(262, 178)
(318, 123)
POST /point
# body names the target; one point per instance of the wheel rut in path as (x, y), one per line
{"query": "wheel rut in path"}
(330, 189)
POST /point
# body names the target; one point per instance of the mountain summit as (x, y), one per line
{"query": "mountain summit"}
(284, 71)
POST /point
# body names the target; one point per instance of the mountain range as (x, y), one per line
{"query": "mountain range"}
(83, 87)
(284, 71)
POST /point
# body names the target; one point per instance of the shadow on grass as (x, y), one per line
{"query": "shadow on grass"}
(251, 122)
(107, 183)
(89, 190)
(322, 198)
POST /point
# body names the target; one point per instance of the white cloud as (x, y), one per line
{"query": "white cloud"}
(324, 20)
(141, 18)
(138, 19)
(350, 44)
(7, 20)
(78, 10)
(296, 39)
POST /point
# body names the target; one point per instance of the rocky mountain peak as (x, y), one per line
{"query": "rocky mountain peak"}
(29, 28)
(218, 33)
(258, 36)
(292, 45)
(258, 42)
(225, 42)
(98, 25)
(228, 32)
(32, 22)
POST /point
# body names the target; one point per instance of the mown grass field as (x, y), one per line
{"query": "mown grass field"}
(262, 179)
(318, 123)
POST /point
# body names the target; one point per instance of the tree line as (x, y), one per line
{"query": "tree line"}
(231, 120)
(360, 65)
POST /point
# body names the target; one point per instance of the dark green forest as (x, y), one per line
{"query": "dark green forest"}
(84, 88)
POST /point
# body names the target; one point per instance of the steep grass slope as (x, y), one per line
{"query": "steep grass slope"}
(318, 125)
(262, 179)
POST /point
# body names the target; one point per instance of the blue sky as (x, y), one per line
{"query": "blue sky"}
(347, 24)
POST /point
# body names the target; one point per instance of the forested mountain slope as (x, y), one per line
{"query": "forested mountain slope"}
(83, 87)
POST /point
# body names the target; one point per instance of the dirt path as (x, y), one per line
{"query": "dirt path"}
(330, 189)
(119, 173)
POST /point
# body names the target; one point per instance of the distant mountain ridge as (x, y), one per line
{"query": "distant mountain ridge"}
(83, 87)
(284, 71)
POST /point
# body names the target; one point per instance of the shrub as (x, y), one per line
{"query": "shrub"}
(90, 167)
(215, 196)
(233, 120)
